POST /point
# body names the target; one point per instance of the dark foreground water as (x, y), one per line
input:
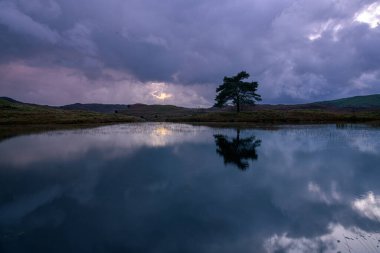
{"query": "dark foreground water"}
(178, 188)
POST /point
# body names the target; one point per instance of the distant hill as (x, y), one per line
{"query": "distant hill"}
(368, 102)
(10, 100)
(170, 112)
(353, 109)
(13, 112)
(154, 111)
(102, 108)
(358, 103)
(147, 112)
(160, 112)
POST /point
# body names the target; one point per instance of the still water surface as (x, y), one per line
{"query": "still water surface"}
(180, 188)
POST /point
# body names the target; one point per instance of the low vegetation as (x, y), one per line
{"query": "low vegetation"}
(17, 113)
(350, 110)
(284, 116)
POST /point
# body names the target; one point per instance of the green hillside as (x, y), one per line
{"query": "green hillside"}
(370, 101)
(15, 113)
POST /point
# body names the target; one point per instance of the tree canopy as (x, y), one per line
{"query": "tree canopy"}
(235, 90)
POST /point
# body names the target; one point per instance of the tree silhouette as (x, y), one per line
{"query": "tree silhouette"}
(236, 91)
(237, 150)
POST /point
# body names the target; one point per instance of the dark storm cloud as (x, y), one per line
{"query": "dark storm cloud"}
(297, 50)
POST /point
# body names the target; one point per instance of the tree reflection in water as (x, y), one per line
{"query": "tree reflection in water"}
(237, 150)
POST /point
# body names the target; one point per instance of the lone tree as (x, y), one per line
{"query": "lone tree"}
(237, 91)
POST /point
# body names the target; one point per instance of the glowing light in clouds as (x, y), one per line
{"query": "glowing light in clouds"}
(158, 91)
(161, 95)
(370, 15)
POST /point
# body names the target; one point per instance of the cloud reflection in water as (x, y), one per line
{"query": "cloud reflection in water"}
(163, 188)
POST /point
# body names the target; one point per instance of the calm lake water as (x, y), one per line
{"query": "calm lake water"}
(180, 188)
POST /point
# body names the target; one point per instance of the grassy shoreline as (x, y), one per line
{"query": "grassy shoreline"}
(267, 117)
(284, 117)
(17, 117)
(14, 113)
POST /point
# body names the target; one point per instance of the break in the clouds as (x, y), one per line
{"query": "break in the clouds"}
(128, 51)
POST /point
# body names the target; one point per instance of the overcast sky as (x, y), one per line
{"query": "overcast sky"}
(127, 51)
